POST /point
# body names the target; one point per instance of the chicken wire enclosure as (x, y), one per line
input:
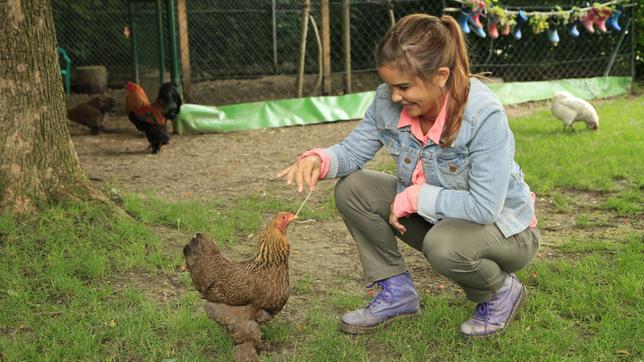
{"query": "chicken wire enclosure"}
(144, 36)
(252, 38)
(91, 32)
(164, 32)
(102, 33)
(235, 39)
(231, 38)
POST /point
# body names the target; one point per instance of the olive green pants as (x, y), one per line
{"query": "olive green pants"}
(477, 257)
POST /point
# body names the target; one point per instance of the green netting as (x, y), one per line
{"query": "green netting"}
(289, 112)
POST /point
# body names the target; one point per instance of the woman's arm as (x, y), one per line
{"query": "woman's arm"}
(341, 159)
(357, 148)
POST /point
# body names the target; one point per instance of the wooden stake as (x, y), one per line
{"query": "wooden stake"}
(325, 25)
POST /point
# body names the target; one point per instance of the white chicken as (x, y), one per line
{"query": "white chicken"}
(570, 109)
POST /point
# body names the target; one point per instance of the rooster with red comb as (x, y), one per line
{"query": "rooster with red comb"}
(152, 118)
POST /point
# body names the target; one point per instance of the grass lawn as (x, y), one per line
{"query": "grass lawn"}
(75, 280)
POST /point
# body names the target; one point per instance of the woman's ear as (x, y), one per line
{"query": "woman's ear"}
(442, 74)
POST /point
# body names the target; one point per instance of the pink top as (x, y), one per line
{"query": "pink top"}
(406, 202)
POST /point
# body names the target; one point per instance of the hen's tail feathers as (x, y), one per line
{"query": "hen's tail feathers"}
(170, 100)
(198, 244)
(155, 133)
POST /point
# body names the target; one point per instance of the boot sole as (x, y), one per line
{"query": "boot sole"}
(350, 329)
(515, 309)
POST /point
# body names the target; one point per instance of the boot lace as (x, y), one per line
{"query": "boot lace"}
(482, 312)
(383, 295)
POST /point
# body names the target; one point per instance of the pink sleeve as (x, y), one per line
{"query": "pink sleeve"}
(533, 222)
(406, 202)
(324, 167)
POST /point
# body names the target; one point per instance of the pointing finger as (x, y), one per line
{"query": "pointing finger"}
(283, 172)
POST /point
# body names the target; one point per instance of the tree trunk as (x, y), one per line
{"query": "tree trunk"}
(38, 162)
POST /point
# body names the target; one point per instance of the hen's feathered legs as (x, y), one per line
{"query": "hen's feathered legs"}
(242, 327)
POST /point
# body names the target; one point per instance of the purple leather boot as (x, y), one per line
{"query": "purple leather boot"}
(397, 298)
(495, 315)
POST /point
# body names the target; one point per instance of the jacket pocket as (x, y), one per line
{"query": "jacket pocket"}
(391, 143)
(454, 170)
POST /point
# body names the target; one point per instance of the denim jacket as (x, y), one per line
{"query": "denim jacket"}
(475, 179)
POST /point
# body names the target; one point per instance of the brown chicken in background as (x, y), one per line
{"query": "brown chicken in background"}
(243, 294)
(92, 113)
(152, 118)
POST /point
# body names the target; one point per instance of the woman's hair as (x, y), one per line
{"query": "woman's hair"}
(419, 44)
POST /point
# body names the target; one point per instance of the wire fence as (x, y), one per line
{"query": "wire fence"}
(234, 39)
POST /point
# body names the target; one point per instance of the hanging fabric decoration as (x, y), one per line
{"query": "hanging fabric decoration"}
(463, 20)
(589, 20)
(613, 20)
(501, 21)
(492, 27)
(572, 29)
(508, 23)
(553, 36)
(602, 13)
(573, 21)
(497, 18)
(471, 15)
(522, 17)
(478, 7)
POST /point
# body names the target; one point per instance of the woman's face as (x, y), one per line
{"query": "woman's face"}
(418, 97)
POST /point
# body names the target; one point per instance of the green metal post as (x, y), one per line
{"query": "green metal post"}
(135, 52)
(159, 13)
(172, 35)
(618, 46)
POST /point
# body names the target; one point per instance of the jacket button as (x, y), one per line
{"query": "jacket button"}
(401, 180)
(407, 160)
(453, 168)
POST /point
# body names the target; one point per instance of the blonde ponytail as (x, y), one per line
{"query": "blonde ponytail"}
(458, 82)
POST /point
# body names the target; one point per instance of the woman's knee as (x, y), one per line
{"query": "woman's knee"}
(445, 253)
(438, 252)
(346, 190)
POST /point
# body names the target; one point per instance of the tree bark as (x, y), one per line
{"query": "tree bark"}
(38, 161)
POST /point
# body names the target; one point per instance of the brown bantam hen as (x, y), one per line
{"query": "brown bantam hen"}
(92, 113)
(243, 294)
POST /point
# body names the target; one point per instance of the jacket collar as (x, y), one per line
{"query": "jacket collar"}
(434, 133)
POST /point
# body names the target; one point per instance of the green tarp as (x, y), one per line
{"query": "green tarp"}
(195, 118)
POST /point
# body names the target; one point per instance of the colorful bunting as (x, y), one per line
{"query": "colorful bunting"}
(502, 21)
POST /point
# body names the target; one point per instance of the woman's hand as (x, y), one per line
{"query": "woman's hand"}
(305, 170)
(393, 220)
